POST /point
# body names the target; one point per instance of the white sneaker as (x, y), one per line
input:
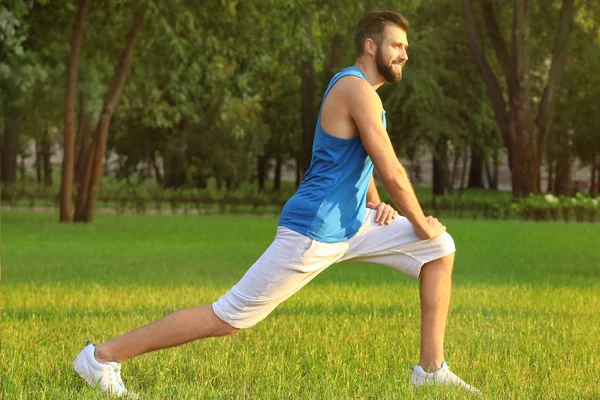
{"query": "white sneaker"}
(105, 376)
(442, 376)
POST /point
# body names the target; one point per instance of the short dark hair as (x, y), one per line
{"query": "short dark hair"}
(372, 24)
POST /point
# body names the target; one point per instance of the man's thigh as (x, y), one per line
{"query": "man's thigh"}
(290, 262)
(396, 246)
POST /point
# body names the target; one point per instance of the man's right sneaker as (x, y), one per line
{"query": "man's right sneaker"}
(442, 377)
(104, 376)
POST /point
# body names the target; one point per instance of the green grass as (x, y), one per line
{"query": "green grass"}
(524, 321)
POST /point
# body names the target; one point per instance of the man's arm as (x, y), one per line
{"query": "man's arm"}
(365, 108)
(372, 194)
(385, 213)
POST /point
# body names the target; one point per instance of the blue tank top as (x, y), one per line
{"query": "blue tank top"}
(330, 204)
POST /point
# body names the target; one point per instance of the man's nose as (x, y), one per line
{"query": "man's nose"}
(403, 55)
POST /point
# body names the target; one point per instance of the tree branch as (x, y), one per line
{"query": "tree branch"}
(493, 30)
(561, 43)
(521, 44)
(490, 80)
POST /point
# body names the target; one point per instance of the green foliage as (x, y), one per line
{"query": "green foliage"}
(17, 194)
(547, 207)
(215, 85)
(20, 68)
(540, 208)
(438, 99)
(577, 120)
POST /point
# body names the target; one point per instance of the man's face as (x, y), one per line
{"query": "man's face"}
(391, 53)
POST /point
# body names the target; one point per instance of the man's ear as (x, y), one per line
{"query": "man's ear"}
(370, 46)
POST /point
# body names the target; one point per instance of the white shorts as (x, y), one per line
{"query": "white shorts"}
(293, 260)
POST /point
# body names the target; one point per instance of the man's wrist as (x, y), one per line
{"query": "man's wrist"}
(376, 201)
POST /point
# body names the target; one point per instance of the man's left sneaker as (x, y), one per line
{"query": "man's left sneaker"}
(442, 377)
(104, 376)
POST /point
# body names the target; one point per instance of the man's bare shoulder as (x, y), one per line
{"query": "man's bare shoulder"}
(354, 92)
(353, 85)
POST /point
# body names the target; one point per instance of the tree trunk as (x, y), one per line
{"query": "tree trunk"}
(309, 117)
(174, 162)
(597, 185)
(82, 141)
(66, 189)
(308, 90)
(278, 167)
(550, 186)
(525, 163)
(491, 173)
(333, 63)
(10, 149)
(496, 174)
(46, 154)
(22, 170)
(82, 192)
(415, 166)
(38, 162)
(476, 168)
(298, 171)
(452, 175)
(262, 164)
(563, 181)
(78, 145)
(110, 102)
(439, 178)
(488, 174)
(593, 187)
(525, 169)
(463, 173)
(440, 169)
(156, 164)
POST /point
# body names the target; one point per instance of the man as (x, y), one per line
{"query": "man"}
(336, 215)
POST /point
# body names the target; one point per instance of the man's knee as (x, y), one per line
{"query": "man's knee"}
(447, 250)
(222, 325)
(232, 330)
(441, 268)
(224, 329)
(446, 245)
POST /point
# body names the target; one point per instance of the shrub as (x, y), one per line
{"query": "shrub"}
(585, 208)
(540, 208)
(11, 193)
(567, 206)
(140, 199)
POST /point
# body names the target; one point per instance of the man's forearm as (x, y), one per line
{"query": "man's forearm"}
(403, 195)
(372, 193)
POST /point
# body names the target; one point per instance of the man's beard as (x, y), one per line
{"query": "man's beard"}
(386, 70)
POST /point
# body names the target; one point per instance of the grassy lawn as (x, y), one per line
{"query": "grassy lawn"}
(524, 321)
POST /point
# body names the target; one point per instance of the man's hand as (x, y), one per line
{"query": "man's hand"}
(435, 228)
(385, 213)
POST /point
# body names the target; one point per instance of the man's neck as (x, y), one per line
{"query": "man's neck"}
(370, 72)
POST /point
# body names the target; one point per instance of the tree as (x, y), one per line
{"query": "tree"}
(20, 70)
(66, 191)
(523, 136)
(574, 133)
(88, 189)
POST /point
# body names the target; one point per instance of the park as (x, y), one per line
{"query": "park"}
(148, 150)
